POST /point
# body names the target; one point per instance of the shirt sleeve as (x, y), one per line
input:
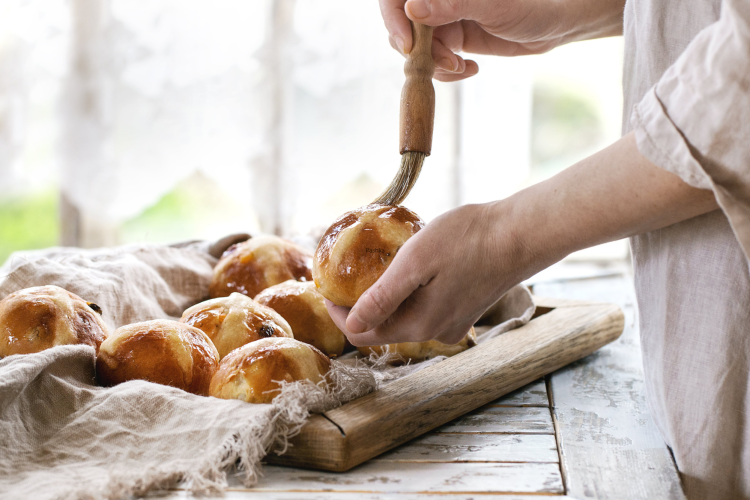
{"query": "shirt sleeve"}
(695, 122)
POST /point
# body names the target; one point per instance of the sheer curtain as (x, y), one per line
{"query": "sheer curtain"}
(34, 46)
(289, 107)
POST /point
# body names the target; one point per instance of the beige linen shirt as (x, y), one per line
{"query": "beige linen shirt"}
(687, 97)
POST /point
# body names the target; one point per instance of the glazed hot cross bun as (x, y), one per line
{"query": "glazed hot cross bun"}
(160, 351)
(254, 265)
(231, 322)
(41, 317)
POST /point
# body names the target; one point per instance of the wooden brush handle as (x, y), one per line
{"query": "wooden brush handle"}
(418, 94)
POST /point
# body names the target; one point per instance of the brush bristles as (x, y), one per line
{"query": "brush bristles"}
(408, 172)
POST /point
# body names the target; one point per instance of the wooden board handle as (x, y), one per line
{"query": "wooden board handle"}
(418, 94)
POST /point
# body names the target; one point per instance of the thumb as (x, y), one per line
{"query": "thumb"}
(382, 299)
(439, 12)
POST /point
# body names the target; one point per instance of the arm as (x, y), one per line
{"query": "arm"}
(446, 276)
(507, 28)
(694, 121)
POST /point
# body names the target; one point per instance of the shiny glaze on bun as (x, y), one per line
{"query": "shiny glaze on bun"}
(304, 308)
(250, 372)
(160, 351)
(254, 265)
(231, 322)
(358, 247)
(35, 319)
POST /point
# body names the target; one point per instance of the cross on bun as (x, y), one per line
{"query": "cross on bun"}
(160, 351)
(355, 251)
(41, 317)
(231, 322)
(254, 265)
(304, 308)
(251, 373)
(358, 247)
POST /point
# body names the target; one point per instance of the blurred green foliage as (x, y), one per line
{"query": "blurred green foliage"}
(196, 208)
(165, 221)
(28, 222)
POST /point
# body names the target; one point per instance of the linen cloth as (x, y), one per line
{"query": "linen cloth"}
(62, 437)
(687, 98)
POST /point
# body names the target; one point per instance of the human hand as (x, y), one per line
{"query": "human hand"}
(450, 272)
(440, 282)
(506, 28)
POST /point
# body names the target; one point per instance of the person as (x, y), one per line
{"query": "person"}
(677, 183)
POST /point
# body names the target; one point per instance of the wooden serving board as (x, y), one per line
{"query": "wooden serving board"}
(560, 333)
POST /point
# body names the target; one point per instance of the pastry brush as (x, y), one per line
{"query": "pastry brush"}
(416, 118)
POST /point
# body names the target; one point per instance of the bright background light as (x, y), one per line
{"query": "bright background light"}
(166, 120)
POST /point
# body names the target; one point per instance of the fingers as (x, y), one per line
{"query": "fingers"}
(405, 274)
(445, 59)
(468, 36)
(476, 40)
(397, 24)
(338, 314)
(410, 323)
(425, 315)
(470, 69)
(402, 324)
(450, 67)
(439, 12)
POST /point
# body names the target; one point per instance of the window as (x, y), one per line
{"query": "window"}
(166, 120)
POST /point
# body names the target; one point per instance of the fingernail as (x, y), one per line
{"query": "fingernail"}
(400, 44)
(419, 8)
(354, 324)
(446, 64)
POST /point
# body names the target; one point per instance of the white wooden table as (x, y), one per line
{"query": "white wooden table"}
(582, 432)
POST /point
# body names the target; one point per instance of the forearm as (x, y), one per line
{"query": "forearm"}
(613, 194)
(587, 19)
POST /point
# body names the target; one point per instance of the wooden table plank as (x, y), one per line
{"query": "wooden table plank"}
(410, 477)
(329, 495)
(476, 448)
(507, 420)
(533, 394)
(609, 445)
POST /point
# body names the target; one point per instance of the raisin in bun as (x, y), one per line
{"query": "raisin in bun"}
(251, 372)
(304, 308)
(41, 317)
(419, 351)
(231, 322)
(160, 351)
(254, 265)
(357, 248)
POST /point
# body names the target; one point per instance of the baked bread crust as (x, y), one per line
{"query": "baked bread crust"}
(358, 247)
(420, 351)
(304, 308)
(250, 372)
(35, 319)
(231, 322)
(160, 351)
(253, 265)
